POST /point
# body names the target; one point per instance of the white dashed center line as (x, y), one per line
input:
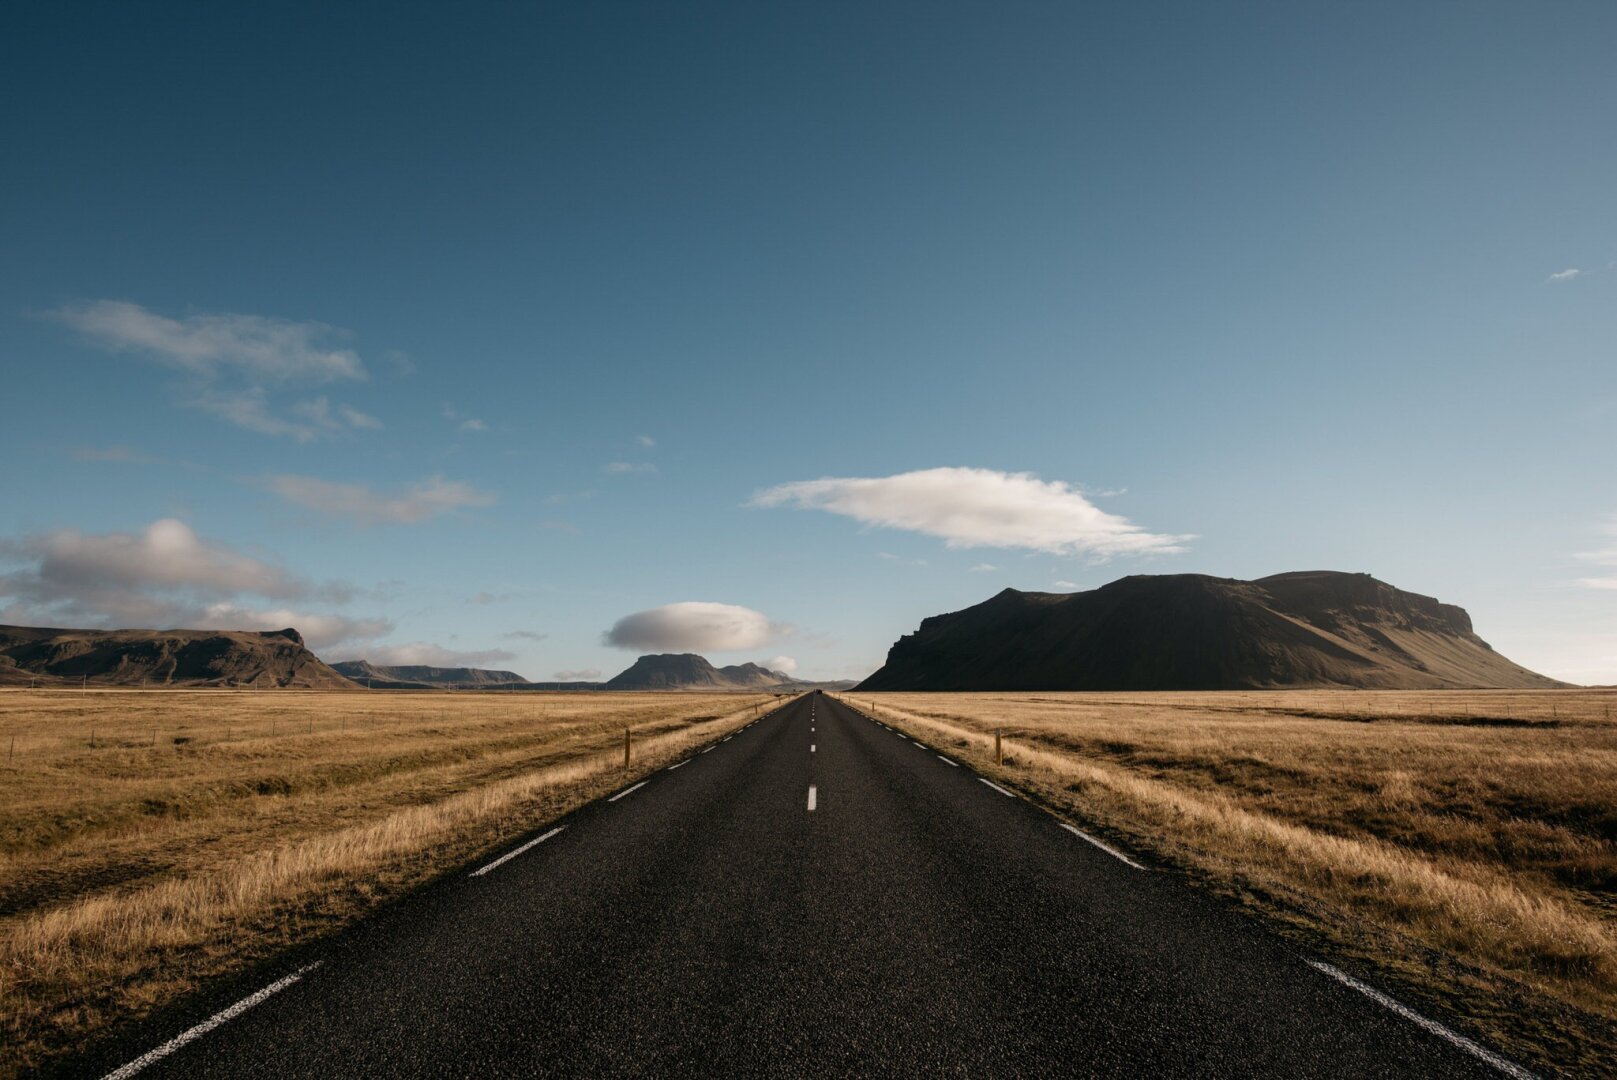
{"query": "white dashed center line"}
(192, 1034)
(946, 761)
(628, 791)
(997, 788)
(811, 748)
(814, 796)
(509, 855)
(1109, 849)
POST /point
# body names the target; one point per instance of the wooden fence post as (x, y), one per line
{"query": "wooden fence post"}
(999, 748)
(625, 748)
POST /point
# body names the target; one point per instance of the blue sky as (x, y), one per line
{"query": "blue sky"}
(476, 332)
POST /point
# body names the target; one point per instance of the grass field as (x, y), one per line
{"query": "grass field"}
(1459, 846)
(149, 840)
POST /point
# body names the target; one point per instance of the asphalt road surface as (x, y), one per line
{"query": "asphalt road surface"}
(815, 896)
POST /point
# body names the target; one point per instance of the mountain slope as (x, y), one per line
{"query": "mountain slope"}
(161, 657)
(1193, 632)
(410, 676)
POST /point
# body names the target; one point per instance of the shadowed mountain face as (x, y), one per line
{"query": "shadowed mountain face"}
(1192, 632)
(413, 676)
(161, 657)
(680, 671)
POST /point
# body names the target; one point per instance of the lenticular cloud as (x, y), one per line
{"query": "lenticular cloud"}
(693, 626)
(971, 508)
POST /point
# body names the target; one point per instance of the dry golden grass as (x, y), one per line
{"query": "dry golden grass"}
(1461, 844)
(203, 830)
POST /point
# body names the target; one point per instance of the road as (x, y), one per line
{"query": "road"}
(815, 896)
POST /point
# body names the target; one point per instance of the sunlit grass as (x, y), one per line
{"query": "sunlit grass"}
(154, 839)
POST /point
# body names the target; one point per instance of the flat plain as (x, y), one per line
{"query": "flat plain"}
(1461, 845)
(153, 839)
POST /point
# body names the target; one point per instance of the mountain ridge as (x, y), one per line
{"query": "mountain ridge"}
(1301, 629)
(55, 656)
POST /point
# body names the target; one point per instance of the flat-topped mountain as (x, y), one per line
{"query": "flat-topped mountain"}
(1193, 632)
(682, 671)
(52, 656)
(414, 676)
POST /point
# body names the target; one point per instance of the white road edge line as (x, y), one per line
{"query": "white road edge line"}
(509, 855)
(811, 748)
(709, 748)
(1109, 849)
(946, 761)
(671, 768)
(996, 787)
(208, 1025)
(628, 791)
(1509, 1068)
(814, 796)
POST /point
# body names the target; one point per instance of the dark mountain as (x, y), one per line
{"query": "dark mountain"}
(161, 657)
(1193, 632)
(688, 671)
(421, 676)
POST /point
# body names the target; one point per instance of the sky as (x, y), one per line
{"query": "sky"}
(540, 336)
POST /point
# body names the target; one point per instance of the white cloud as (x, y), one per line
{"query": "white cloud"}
(784, 664)
(1603, 557)
(165, 576)
(526, 635)
(424, 499)
(694, 626)
(266, 348)
(625, 467)
(230, 362)
(582, 675)
(1566, 275)
(432, 655)
(984, 568)
(1068, 585)
(970, 508)
(645, 440)
(357, 419)
(472, 423)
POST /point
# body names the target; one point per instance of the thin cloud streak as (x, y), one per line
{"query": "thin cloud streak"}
(427, 498)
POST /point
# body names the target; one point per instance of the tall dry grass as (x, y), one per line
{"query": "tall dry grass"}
(154, 839)
(1462, 844)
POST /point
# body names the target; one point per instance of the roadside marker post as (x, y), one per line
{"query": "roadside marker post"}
(625, 748)
(999, 748)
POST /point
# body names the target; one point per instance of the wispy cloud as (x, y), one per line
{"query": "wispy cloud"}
(363, 505)
(625, 467)
(462, 421)
(526, 635)
(694, 626)
(581, 675)
(267, 348)
(984, 568)
(645, 440)
(427, 653)
(163, 576)
(484, 598)
(1565, 275)
(230, 363)
(970, 508)
(1605, 557)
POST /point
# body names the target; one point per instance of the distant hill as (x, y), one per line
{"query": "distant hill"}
(688, 671)
(422, 676)
(1193, 632)
(51, 656)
